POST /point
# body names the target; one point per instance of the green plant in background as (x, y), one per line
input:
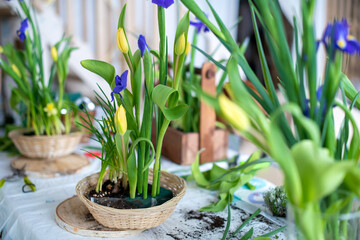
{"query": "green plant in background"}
(227, 181)
(132, 165)
(276, 201)
(33, 96)
(321, 166)
(190, 122)
(249, 233)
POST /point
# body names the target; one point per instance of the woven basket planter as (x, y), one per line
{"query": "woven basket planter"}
(45, 147)
(133, 219)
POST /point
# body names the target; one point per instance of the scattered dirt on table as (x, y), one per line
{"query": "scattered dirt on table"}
(211, 219)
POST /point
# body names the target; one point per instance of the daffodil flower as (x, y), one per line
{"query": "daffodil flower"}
(163, 3)
(50, 109)
(120, 83)
(142, 45)
(21, 32)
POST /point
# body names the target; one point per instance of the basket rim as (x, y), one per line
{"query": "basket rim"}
(163, 206)
(18, 133)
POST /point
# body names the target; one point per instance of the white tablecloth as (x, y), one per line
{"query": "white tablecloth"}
(31, 215)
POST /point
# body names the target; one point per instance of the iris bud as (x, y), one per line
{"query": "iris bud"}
(234, 114)
(188, 48)
(121, 41)
(16, 70)
(120, 120)
(54, 54)
(180, 44)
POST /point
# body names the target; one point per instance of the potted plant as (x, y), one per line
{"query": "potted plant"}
(320, 165)
(125, 135)
(33, 97)
(198, 128)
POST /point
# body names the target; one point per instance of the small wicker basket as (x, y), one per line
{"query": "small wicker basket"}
(133, 219)
(45, 147)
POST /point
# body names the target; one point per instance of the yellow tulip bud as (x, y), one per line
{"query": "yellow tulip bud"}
(54, 54)
(180, 44)
(188, 48)
(234, 114)
(1, 50)
(122, 41)
(229, 90)
(120, 120)
(16, 70)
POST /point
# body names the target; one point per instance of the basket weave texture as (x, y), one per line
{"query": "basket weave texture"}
(45, 147)
(133, 219)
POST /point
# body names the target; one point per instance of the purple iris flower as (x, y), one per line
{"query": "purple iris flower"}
(199, 25)
(163, 3)
(21, 31)
(306, 111)
(120, 83)
(338, 35)
(142, 45)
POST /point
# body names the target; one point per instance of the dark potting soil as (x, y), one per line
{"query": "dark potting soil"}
(211, 219)
(115, 196)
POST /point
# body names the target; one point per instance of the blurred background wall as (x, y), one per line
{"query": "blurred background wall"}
(93, 25)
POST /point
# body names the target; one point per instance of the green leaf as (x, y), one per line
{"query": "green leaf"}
(266, 235)
(245, 222)
(121, 21)
(218, 206)
(198, 175)
(2, 182)
(194, 8)
(161, 95)
(248, 234)
(352, 181)
(103, 69)
(319, 173)
(227, 223)
(209, 57)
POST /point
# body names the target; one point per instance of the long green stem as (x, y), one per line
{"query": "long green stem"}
(156, 173)
(189, 97)
(125, 177)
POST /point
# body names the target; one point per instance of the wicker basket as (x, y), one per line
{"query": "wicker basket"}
(45, 147)
(133, 219)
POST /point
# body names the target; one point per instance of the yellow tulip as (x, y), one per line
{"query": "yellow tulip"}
(122, 41)
(234, 114)
(1, 49)
(120, 120)
(180, 44)
(54, 54)
(188, 48)
(16, 70)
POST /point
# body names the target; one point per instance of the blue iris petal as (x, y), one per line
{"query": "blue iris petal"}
(21, 32)
(337, 34)
(163, 3)
(120, 84)
(142, 45)
(199, 25)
